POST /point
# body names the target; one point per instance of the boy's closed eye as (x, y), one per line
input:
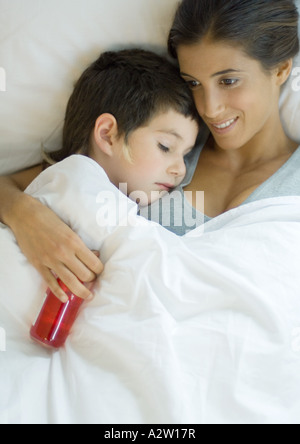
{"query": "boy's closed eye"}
(164, 148)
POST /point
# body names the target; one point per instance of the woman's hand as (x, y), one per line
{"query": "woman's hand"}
(52, 247)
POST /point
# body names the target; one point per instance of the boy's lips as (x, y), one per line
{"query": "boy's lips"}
(165, 186)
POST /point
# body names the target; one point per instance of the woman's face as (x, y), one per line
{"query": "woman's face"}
(235, 97)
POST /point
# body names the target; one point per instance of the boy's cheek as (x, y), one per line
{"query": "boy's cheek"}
(146, 198)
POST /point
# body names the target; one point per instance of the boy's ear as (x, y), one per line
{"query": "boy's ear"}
(283, 71)
(105, 132)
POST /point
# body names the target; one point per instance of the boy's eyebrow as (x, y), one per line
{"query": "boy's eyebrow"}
(172, 133)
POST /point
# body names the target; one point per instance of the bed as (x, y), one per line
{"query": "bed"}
(207, 329)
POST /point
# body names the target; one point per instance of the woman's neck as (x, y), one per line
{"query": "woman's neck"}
(268, 144)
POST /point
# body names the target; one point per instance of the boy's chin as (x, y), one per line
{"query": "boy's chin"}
(154, 196)
(144, 199)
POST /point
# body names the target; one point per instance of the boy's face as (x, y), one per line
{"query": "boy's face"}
(157, 152)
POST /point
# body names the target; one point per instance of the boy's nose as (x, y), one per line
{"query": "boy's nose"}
(177, 169)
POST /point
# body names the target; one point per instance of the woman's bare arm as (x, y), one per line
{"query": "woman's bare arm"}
(48, 243)
(11, 190)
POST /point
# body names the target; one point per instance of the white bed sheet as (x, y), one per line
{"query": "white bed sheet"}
(199, 329)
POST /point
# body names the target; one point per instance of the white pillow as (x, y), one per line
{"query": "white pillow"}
(290, 100)
(44, 47)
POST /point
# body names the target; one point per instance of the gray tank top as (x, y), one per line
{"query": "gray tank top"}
(175, 213)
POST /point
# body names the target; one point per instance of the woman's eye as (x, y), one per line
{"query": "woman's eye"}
(193, 84)
(165, 149)
(229, 82)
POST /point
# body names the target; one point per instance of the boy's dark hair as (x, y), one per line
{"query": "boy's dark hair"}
(133, 86)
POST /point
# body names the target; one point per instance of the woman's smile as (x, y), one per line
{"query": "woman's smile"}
(223, 127)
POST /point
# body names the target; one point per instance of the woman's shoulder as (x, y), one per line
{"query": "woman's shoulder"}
(285, 181)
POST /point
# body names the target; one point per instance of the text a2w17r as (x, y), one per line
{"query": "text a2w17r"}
(172, 433)
(146, 432)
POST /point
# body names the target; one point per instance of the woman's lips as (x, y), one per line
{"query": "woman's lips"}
(225, 126)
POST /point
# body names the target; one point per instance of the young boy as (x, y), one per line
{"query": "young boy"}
(130, 112)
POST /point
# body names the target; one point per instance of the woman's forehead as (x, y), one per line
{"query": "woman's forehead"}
(213, 59)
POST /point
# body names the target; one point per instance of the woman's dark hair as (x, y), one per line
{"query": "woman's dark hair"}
(267, 30)
(133, 86)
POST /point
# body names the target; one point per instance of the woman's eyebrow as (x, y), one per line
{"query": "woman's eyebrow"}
(226, 71)
(219, 73)
(186, 75)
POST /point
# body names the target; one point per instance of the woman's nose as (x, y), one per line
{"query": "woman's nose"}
(210, 104)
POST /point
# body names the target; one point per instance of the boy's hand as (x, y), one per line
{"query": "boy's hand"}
(52, 247)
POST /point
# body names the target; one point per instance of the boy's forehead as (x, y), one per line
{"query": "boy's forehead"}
(170, 132)
(174, 124)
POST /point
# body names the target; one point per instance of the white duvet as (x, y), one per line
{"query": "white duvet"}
(199, 329)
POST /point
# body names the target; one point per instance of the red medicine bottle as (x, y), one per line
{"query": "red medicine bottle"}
(56, 319)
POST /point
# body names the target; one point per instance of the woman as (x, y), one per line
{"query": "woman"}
(235, 56)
